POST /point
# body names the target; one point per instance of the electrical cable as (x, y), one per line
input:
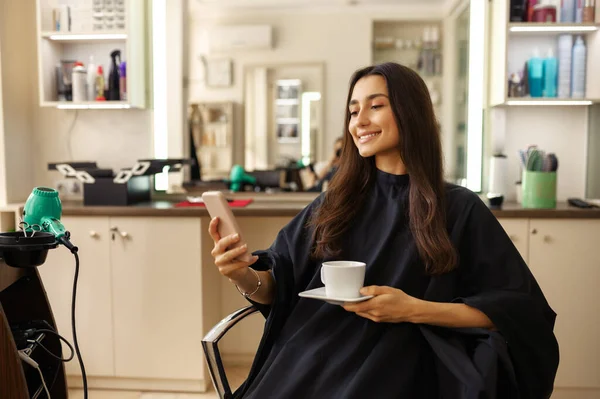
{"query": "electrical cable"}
(50, 352)
(83, 375)
(43, 382)
(27, 359)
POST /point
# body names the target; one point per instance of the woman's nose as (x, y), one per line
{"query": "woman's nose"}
(362, 118)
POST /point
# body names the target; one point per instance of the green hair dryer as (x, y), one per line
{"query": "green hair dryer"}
(43, 208)
(238, 178)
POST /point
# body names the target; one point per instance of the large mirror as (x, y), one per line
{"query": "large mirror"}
(279, 96)
(283, 114)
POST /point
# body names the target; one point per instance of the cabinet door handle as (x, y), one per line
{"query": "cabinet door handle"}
(124, 234)
(113, 230)
(547, 239)
(534, 231)
(94, 234)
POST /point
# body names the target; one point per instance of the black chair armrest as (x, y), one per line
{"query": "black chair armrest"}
(211, 350)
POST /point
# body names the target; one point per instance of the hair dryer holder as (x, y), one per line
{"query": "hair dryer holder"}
(21, 250)
(124, 187)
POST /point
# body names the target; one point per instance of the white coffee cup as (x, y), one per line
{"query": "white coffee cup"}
(343, 278)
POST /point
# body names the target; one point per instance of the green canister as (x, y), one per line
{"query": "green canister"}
(539, 189)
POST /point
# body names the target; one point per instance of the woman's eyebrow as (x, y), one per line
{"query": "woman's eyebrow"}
(370, 97)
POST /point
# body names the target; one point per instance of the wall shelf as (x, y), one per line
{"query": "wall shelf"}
(545, 102)
(89, 39)
(87, 104)
(288, 121)
(84, 37)
(286, 101)
(547, 28)
(288, 140)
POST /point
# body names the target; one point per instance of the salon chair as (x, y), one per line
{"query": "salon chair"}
(211, 350)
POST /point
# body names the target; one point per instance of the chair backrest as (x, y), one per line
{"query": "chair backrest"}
(211, 350)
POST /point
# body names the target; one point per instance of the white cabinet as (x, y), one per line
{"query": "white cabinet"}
(157, 297)
(139, 301)
(94, 294)
(518, 231)
(96, 29)
(564, 256)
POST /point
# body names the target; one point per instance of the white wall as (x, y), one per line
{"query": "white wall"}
(113, 138)
(562, 130)
(17, 36)
(300, 36)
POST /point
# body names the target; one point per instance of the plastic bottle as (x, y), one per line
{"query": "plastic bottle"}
(100, 84)
(79, 81)
(437, 55)
(424, 55)
(550, 74)
(123, 80)
(535, 69)
(567, 11)
(91, 80)
(589, 11)
(579, 11)
(565, 56)
(578, 69)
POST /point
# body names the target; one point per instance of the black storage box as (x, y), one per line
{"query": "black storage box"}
(106, 192)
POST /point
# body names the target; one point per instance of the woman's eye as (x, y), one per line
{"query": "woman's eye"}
(376, 106)
(353, 113)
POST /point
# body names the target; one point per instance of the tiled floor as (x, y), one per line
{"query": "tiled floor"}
(236, 376)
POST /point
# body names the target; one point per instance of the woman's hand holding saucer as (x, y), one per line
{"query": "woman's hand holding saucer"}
(389, 305)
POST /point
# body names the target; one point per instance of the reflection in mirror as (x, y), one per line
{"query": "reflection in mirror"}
(211, 137)
(283, 114)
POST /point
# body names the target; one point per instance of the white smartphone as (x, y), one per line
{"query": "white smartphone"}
(217, 206)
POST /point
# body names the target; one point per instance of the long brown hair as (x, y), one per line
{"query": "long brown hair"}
(421, 152)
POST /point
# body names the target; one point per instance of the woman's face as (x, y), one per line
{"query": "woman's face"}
(372, 123)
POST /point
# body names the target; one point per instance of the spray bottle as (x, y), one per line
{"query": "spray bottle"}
(113, 93)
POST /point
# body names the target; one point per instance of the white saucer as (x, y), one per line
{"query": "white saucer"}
(319, 293)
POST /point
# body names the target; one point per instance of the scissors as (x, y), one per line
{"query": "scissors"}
(33, 227)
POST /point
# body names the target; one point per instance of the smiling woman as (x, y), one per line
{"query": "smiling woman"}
(390, 119)
(448, 293)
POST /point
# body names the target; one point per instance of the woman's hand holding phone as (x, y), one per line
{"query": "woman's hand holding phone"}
(227, 260)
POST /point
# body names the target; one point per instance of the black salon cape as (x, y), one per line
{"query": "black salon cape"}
(313, 349)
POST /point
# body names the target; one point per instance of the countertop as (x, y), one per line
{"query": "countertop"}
(288, 204)
(291, 204)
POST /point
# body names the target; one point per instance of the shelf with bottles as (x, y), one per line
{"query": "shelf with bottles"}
(88, 31)
(211, 126)
(287, 110)
(415, 44)
(532, 62)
